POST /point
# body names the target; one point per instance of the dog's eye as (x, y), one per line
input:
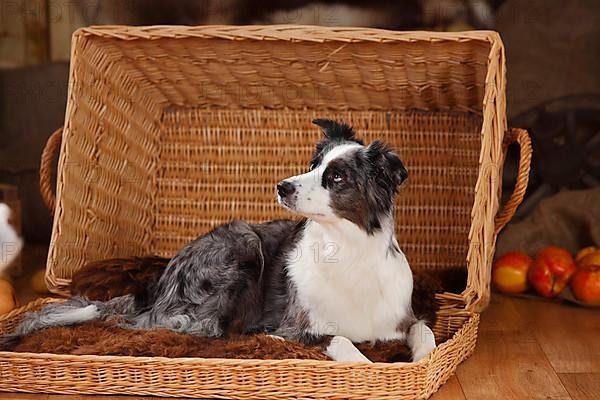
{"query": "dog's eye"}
(337, 178)
(312, 166)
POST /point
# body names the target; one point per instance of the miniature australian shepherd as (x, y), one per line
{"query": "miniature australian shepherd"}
(334, 278)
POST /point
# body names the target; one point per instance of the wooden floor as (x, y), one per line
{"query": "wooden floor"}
(526, 350)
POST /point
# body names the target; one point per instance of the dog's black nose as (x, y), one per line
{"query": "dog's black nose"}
(285, 188)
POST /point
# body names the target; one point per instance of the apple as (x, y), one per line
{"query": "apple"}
(584, 252)
(551, 271)
(8, 297)
(38, 282)
(586, 284)
(592, 258)
(509, 272)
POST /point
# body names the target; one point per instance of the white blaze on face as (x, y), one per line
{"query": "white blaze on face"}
(311, 199)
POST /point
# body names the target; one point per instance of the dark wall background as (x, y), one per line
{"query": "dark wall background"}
(32, 106)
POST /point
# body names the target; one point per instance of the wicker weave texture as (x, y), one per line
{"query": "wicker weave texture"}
(219, 164)
(295, 67)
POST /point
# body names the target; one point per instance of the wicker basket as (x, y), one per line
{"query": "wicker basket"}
(170, 131)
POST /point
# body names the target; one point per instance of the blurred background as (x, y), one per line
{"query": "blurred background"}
(553, 56)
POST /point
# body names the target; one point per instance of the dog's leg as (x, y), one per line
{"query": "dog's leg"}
(338, 348)
(341, 349)
(420, 339)
(295, 325)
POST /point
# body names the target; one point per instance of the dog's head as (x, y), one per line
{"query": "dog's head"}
(346, 180)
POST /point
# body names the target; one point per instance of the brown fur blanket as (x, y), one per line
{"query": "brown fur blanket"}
(105, 279)
(102, 338)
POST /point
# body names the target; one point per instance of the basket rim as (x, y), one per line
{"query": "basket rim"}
(283, 32)
(199, 360)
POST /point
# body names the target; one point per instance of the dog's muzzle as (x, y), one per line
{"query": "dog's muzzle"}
(286, 191)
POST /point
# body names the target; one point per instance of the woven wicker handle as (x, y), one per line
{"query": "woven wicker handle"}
(520, 136)
(477, 294)
(48, 155)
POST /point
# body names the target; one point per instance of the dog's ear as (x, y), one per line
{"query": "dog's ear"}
(387, 163)
(387, 173)
(335, 130)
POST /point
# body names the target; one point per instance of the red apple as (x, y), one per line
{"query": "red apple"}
(551, 271)
(509, 272)
(586, 284)
(8, 298)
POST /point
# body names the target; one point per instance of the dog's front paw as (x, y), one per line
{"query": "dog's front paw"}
(421, 341)
(422, 352)
(342, 349)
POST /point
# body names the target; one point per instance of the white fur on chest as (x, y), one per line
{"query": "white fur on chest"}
(350, 284)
